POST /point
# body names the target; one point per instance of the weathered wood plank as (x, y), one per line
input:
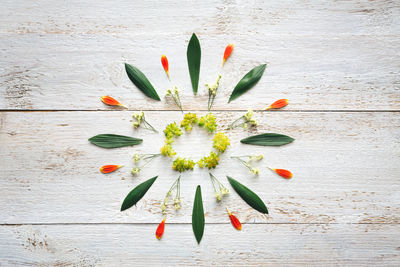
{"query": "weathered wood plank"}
(345, 168)
(206, 17)
(65, 56)
(313, 72)
(256, 245)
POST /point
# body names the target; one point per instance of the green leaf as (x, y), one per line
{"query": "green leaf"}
(193, 58)
(114, 140)
(141, 81)
(198, 215)
(247, 82)
(137, 193)
(268, 139)
(248, 196)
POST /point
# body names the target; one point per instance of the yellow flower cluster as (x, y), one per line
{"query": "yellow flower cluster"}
(182, 164)
(209, 162)
(172, 130)
(167, 150)
(221, 142)
(208, 122)
(189, 120)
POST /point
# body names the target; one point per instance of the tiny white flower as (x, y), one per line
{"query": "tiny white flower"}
(135, 171)
(136, 157)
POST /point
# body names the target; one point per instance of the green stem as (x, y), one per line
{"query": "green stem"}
(232, 125)
(243, 162)
(177, 101)
(149, 126)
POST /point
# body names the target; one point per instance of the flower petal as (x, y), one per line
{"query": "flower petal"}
(109, 168)
(164, 62)
(278, 104)
(160, 229)
(108, 100)
(282, 172)
(227, 53)
(235, 221)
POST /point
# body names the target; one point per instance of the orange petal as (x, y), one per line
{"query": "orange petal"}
(278, 104)
(160, 229)
(108, 100)
(227, 53)
(284, 173)
(109, 168)
(164, 62)
(235, 221)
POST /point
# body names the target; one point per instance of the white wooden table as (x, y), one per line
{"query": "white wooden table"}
(338, 62)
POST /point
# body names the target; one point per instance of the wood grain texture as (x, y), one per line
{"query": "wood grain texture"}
(222, 245)
(337, 62)
(349, 160)
(62, 57)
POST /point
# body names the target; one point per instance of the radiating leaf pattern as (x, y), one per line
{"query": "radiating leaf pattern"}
(141, 81)
(247, 82)
(194, 58)
(248, 196)
(268, 139)
(114, 140)
(198, 220)
(137, 193)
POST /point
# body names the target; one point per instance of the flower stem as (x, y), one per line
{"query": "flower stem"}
(234, 125)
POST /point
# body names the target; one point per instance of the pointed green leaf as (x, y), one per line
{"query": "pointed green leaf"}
(114, 140)
(198, 215)
(137, 193)
(247, 82)
(248, 196)
(193, 58)
(141, 81)
(268, 139)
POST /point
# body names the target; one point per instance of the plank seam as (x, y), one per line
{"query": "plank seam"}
(156, 223)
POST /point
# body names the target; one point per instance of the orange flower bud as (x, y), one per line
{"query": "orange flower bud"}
(164, 62)
(160, 229)
(109, 168)
(108, 100)
(227, 53)
(284, 173)
(235, 221)
(278, 104)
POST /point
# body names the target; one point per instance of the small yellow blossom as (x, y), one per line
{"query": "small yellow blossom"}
(189, 120)
(221, 142)
(208, 122)
(135, 171)
(209, 162)
(256, 171)
(167, 150)
(256, 157)
(182, 164)
(172, 130)
(136, 157)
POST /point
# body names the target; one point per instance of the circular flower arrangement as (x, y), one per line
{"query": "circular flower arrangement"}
(208, 123)
(220, 142)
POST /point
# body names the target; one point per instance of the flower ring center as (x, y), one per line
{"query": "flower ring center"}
(173, 131)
